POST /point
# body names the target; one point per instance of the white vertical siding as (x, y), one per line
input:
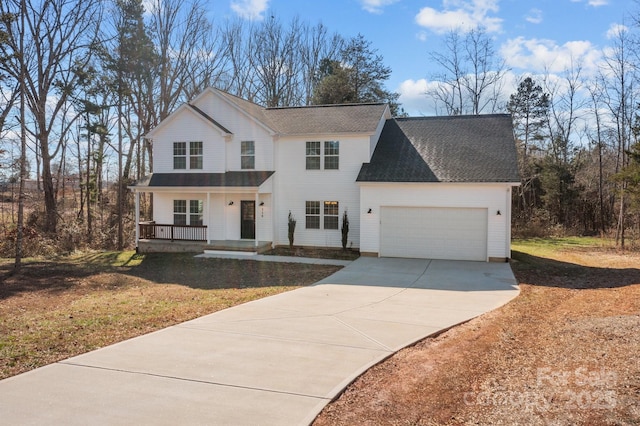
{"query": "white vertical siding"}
(489, 196)
(293, 185)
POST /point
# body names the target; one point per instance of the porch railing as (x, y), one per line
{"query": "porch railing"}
(155, 231)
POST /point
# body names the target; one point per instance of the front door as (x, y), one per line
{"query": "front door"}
(248, 220)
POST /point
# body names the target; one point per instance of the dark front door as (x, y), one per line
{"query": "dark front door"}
(248, 220)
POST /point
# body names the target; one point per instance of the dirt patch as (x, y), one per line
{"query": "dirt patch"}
(563, 352)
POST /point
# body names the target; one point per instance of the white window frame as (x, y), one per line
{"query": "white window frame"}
(244, 147)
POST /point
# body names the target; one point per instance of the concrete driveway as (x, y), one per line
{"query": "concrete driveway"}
(274, 361)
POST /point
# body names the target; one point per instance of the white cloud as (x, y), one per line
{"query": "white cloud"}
(376, 6)
(414, 99)
(593, 3)
(615, 30)
(534, 16)
(422, 36)
(250, 9)
(461, 14)
(539, 55)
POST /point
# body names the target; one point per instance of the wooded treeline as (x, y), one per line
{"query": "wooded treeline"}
(81, 83)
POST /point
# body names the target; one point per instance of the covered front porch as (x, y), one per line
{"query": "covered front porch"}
(194, 212)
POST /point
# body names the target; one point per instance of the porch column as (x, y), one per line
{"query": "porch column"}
(137, 198)
(208, 216)
(255, 213)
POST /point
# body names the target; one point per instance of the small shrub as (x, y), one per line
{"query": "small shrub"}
(292, 228)
(345, 230)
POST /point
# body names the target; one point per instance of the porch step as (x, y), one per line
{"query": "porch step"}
(234, 252)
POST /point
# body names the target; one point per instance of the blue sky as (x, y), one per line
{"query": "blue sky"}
(532, 36)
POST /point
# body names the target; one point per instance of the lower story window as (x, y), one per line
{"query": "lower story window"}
(195, 212)
(179, 212)
(194, 216)
(327, 216)
(312, 211)
(330, 215)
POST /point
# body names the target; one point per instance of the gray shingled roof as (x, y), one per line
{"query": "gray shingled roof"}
(229, 179)
(478, 148)
(316, 119)
(309, 120)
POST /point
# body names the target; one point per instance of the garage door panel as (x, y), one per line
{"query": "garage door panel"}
(434, 233)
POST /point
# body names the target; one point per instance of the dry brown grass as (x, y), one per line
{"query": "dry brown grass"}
(56, 309)
(564, 352)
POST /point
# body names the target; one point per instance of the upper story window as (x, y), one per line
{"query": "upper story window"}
(331, 155)
(247, 155)
(313, 155)
(195, 155)
(180, 155)
(316, 151)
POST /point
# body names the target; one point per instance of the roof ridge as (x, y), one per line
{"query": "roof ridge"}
(450, 117)
(326, 105)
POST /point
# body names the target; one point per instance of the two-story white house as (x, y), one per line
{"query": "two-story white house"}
(228, 172)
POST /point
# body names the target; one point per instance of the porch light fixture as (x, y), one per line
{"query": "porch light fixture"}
(498, 213)
(261, 203)
(369, 212)
(231, 203)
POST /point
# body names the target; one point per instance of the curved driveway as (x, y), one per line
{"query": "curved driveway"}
(273, 361)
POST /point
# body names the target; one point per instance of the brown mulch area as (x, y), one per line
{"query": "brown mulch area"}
(56, 309)
(322, 253)
(564, 352)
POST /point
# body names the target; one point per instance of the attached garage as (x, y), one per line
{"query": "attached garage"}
(434, 233)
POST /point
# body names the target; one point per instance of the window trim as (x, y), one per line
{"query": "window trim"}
(179, 153)
(198, 213)
(184, 208)
(333, 155)
(251, 156)
(313, 156)
(311, 207)
(197, 156)
(327, 205)
(180, 210)
(317, 213)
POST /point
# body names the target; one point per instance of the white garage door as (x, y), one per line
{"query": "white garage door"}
(434, 233)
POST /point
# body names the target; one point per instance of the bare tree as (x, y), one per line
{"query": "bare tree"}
(57, 36)
(472, 74)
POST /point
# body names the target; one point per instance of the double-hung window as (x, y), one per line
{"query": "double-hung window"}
(322, 156)
(193, 217)
(247, 155)
(179, 155)
(331, 155)
(312, 211)
(194, 154)
(179, 212)
(313, 155)
(330, 215)
(196, 207)
(327, 215)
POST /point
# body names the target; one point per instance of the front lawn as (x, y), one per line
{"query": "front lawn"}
(55, 309)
